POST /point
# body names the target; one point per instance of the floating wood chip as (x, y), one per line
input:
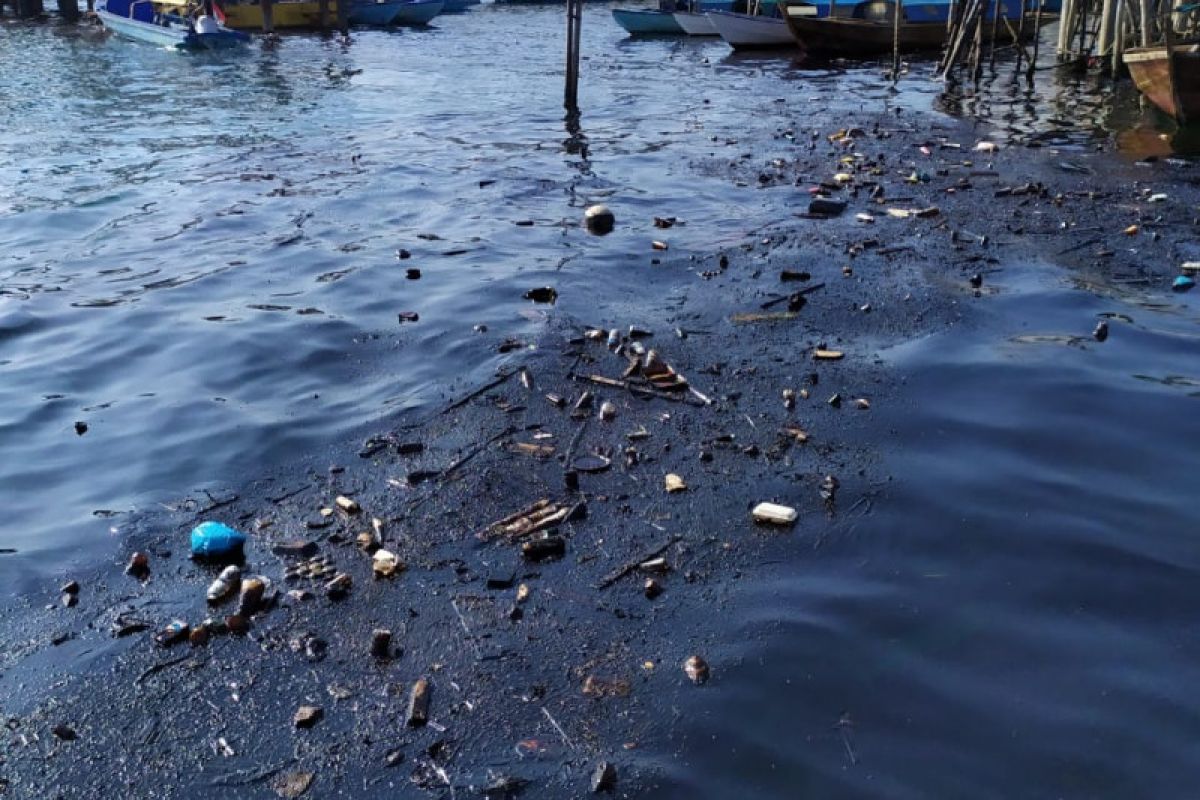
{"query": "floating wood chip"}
(747, 317)
(530, 449)
(538, 517)
(773, 514)
(347, 504)
(385, 564)
(799, 434)
(675, 483)
(828, 355)
(657, 245)
(418, 704)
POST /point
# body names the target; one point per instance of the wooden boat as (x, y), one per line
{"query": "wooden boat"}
(752, 32)
(247, 15)
(418, 12)
(868, 30)
(695, 23)
(170, 24)
(1170, 82)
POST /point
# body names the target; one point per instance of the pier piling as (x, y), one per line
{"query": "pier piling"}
(69, 9)
(268, 16)
(574, 23)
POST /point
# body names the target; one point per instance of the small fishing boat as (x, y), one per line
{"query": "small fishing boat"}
(374, 12)
(646, 22)
(1169, 76)
(179, 25)
(751, 32)
(869, 28)
(418, 12)
(661, 21)
(695, 23)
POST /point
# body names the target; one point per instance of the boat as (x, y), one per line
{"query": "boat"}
(661, 21)
(458, 6)
(247, 15)
(646, 22)
(753, 31)
(418, 12)
(373, 12)
(869, 28)
(695, 23)
(1169, 77)
(171, 24)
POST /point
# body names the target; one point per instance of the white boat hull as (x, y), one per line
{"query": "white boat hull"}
(741, 31)
(695, 24)
(152, 34)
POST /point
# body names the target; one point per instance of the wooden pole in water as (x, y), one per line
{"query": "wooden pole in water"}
(574, 24)
(69, 9)
(1037, 40)
(895, 41)
(1118, 37)
(995, 30)
(268, 16)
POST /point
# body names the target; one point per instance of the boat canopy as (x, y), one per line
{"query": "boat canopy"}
(138, 10)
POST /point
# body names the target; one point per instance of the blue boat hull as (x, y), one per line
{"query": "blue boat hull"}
(418, 12)
(651, 22)
(374, 13)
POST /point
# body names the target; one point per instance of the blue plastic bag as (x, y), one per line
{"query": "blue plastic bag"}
(214, 540)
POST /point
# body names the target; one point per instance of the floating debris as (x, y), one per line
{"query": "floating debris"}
(1182, 283)
(826, 207)
(307, 716)
(607, 411)
(1101, 332)
(381, 643)
(138, 566)
(773, 514)
(599, 219)
(418, 704)
(385, 564)
(696, 668)
(174, 633)
(292, 784)
(251, 598)
(81, 428)
(652, 588)
(591, 463)
(604, 778)
(544, 548)
(828, 355)
(542, 294)
(347, 504)
(674, 483)
(658, 245)
(214, 540)
(229, 579)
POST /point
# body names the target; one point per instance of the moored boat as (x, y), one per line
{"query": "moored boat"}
(457, 6)
(752, 31)
(378, 12)
(646, 22)
(661, 21)
(695, 23)
(418, 12)
(247, 15)
(869, 29)
(1169, 77)
(168, 24)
